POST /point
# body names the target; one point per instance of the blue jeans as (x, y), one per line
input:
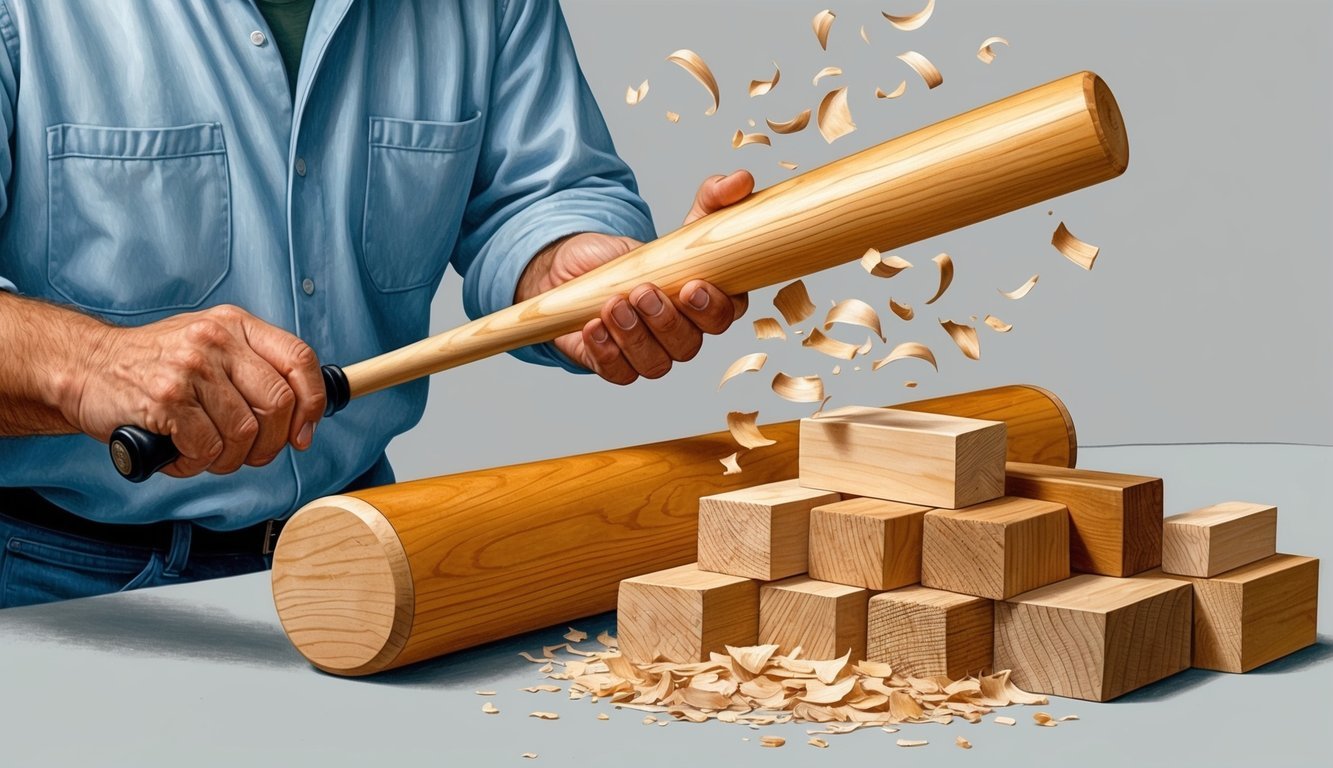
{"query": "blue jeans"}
(42, 565)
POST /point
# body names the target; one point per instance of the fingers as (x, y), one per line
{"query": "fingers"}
(709, 308)
(233, 419)
(297, 364)
(603, 356)
(717, 192)
(197, 440)
(635, 340)
(269, 398)
(678, 336)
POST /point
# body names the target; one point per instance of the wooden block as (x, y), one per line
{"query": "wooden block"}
(683, 613)
(1095, 637)
(1215, 539)
(997, 549)
(825, 620)
(1115, 521)
(923, 631)
(915, 458)
(760, 532)
(1249, 616)
(867, 543)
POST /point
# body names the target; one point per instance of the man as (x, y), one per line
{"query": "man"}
(201, 200)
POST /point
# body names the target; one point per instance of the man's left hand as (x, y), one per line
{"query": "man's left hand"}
(643, 332)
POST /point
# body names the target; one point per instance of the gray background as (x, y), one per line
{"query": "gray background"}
(1205, 318)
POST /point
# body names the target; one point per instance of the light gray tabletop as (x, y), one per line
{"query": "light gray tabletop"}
(201, 674)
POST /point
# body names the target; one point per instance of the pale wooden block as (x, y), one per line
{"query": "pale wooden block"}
(683, 613)
(1115, 520)
(997, 549)
(867, 543)
(1215, 539)
(760, 532)
(924, 632)
(825, 620)
(1256, 613)
(1095, 637)
(915, 458)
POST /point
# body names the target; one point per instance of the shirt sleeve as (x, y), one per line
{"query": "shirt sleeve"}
(9, 88)
(547, 169)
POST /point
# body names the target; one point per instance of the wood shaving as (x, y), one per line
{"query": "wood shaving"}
(548, 667)
(545, 715)
(744, 430)
(731, 464)
(761, 87)
(672, 117)
(908, 349)
(945, 263)
(793, 125)
(746, 364)
(1067, 718)
(649, 720)
(529, 755)
(635, 95)
(820, 409)
(750, 122)
(837, 369)
(1077, 251)
(818, 742)
(854, 312)
(909, 384)
(548, 651)
(607, 640)
(986, 53)
(531, 658)
(1043, 718)
(962, 742)
(864, 36)
(923, 67)
(741, 139)
(789, 165)
(1002, 720)
(834, 116)
(829, 346)
(895, 93)
(771, 741)
(575, 635)
(912, 21)
(826, 72)
(490, 709)
(542, 689)
(798, 389)
(879, 265)
(485, 693)
(794, 303)
(603, 716)
(865, 348)
(999, 325)
(1021, 290)
(694, 64)
(903, 311)
(821, 23)
(965, 336)
(912, 742)
(769, 328)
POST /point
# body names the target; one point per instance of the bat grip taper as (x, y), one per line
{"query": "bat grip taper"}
(139, 454)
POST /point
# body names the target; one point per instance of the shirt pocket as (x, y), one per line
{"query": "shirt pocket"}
(418, 179)
(139, 218)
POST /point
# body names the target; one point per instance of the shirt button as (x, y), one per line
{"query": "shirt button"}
(257, 37)
(300, 166)
(308, 286)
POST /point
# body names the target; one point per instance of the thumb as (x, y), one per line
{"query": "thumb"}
(718, 192)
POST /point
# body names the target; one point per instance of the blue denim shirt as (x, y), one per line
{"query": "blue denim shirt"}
(156, 164)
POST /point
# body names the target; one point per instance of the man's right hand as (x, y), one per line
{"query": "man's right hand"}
(229, 388)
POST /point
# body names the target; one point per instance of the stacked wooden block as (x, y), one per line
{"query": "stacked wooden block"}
(907, 539)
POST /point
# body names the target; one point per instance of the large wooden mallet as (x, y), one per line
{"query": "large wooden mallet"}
(1020, 150)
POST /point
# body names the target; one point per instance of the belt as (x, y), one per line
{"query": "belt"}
(27, 506)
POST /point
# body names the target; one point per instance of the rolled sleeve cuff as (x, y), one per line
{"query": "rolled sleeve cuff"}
(490, 285)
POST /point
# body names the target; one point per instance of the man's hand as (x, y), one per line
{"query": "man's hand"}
(229, 388)
(644, 332)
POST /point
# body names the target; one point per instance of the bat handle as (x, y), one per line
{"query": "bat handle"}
(138, 454)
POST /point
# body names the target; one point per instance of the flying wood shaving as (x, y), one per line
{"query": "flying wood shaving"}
(818, 742)
(694, 64)
(829, 346)
(798, 389)
(741, 139)
(485, 693)
(821, 24)
(545, 715)
(761, 87)
(865, 348)
(864, 37)
(490, 709)
(854, 312)
(985, 52)
(945, 264)
(965, 336)
(837, 369)
(529, 755)
(1021, 290)
(909, 384)
(750, 122)
(542, 689)
(879, 265)
(912, 742)
(903, 311)
(834, 116)
(745, 432)
(999, 325)
(1077, 251)
(771, 741)
(794, 303)
(912, 20)
(746, 364)
(895, 93)
(635, 95)
(908, 349)
(923, 67)
(962, 742)
(575, 635)
(731, 464)
(793, 125)
(768, 328)
(1067, 718)
(672, 117)
(1002, 720)
(826, 72)
(789, 165)
(603, 716)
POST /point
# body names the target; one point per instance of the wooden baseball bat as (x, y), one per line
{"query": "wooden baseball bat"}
(387, 576)
(1020, 150)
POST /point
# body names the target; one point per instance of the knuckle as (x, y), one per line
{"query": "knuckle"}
(245, 429)
(193, 361)
(280, 396)
(228, 312)
(302, 355)
(657, 370)
(169, 390)
(207, 333)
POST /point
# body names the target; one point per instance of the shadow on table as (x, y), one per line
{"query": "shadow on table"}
(1319, 653)
(142, 624)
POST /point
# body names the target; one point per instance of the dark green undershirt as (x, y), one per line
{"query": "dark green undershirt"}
(287, 20)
